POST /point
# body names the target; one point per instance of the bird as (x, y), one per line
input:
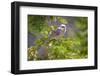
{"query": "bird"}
(56, 34)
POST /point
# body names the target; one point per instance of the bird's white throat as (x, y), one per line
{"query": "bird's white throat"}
(63, 29)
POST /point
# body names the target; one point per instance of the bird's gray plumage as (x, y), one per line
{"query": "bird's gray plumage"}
(56, 34)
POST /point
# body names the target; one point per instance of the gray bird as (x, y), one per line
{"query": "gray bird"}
(56, 34)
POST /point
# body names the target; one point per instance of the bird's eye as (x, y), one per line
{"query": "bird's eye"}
(63, 27)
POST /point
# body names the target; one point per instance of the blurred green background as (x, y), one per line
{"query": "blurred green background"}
(73, 45)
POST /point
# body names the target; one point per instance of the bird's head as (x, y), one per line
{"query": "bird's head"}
(62, 27)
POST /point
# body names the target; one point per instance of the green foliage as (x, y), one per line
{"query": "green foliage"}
(62, 20)
(81, 23)
(82, 35)
(32, 53)
(65, 47)
(37, 25)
